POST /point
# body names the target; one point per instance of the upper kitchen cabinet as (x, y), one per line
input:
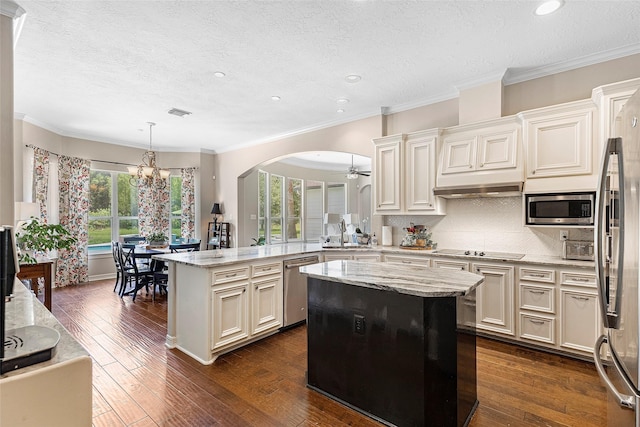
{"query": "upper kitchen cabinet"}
(481, 154)
(404, 174)
(559, 143)
(610, 99)
(386, 174)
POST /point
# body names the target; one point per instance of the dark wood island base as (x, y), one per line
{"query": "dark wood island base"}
(401, 359)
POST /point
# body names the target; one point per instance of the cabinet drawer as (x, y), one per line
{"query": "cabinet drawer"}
(260, 270)
(230, 275)
(578, 279)
(538, 275)
(538, 298)
(451, 265)
(399, 259)
(537, 328)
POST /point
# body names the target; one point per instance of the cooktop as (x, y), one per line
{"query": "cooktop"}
(474, 253)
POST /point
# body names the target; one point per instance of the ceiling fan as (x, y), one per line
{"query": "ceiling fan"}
(353, 172)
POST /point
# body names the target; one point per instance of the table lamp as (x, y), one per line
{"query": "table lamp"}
(215, 211)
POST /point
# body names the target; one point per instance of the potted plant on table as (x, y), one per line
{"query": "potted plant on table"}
(157, 239)
(37, 237)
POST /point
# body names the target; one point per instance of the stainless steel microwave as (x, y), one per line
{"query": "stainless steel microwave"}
(561, 208)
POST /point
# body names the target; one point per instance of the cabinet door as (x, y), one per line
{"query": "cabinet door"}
(494, 298)
(266, 305)
(420, 174)
(498, 150)
(559, 144)
(459, 154)
(386, 174)
(229, 312)
(580, 324)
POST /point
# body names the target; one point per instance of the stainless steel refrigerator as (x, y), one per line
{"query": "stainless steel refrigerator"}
(617, 241)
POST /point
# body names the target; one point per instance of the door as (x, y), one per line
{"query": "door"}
(386, 176)
(229, 313)
(265, 305)
(459, 154)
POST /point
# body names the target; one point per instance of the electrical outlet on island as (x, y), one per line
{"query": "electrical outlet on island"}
(564, 234)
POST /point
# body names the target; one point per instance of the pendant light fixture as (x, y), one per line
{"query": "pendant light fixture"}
(147, 172)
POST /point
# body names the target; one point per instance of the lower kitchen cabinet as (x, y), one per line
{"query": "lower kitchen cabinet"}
(494, 299)
(222, 308)
(229, 307)
(579, 320)
(266, 304)
(408, 259)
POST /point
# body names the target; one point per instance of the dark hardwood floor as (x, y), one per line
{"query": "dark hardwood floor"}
(138, 382)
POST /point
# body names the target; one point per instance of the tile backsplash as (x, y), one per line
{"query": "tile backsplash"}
(488, 224)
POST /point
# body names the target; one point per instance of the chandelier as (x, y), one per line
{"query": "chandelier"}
(147, 172)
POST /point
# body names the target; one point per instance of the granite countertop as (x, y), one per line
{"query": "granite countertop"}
(24, 310)
(221, 257)
(417, 280)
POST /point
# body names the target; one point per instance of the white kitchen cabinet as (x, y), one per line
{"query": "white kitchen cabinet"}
(481, 153)
(229, 309)
(494, 299)
(333, 256)
(558, 140)
(450, 264)
(579, 320)
(408, 259)
(387, 174)
(610, 99)
(266, 305)
(367, 257)
(420, 172)
(404, 174)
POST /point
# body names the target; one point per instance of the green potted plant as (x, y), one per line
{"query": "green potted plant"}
(157, 239)
(258, 242)
(37, 237)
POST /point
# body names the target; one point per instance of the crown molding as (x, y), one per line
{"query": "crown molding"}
(513, 76)
(11, 9)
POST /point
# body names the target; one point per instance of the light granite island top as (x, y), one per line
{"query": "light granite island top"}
(416, 280)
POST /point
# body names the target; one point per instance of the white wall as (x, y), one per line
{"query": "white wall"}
(488, 224)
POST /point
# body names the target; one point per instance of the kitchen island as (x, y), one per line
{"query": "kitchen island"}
(387, 341)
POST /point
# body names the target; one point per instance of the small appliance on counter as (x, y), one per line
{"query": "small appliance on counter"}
(581, 250)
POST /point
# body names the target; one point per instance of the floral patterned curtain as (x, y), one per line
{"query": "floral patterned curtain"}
(153, 207)
(73, 176)
(41, 180)
(188, 201)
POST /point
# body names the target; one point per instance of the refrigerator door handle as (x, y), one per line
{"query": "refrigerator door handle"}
(624, 400)
(599, 236)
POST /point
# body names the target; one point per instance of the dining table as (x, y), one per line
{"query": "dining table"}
(142, 254)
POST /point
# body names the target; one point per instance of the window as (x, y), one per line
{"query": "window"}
(314, 209)
(175, 196)
(276, 193)
(113, 207)
(336, 198)
(294, 209)
(280, 208)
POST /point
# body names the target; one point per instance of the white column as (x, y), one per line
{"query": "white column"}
(9, 12)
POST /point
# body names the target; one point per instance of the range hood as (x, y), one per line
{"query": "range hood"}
(481, 190)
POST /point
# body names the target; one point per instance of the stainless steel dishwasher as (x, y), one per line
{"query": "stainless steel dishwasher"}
(295, 290)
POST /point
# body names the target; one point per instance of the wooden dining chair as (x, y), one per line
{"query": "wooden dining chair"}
(116, 259)
(135, 274)
(184, 247)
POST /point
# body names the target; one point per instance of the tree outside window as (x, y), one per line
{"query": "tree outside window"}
(294, 209)
(175, 197)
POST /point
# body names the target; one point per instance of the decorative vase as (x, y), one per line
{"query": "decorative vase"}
(421, 242)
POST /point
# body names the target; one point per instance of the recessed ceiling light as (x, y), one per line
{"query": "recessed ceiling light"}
(219, 74)
(275, 98)
(340, 110)
(342, 100)
(353, 78)
(548, 7)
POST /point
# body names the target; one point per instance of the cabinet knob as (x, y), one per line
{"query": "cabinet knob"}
(533, 172)
(470, 166)
(481, 165)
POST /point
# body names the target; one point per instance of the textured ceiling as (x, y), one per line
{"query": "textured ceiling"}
(101, 69)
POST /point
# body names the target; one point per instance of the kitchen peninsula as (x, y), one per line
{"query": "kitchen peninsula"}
(389, 341)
